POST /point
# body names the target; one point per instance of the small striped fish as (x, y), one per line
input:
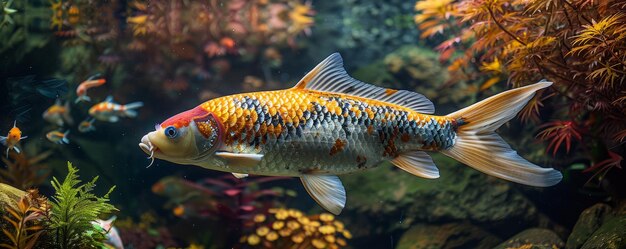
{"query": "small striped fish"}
(110, 111)
(331, 124)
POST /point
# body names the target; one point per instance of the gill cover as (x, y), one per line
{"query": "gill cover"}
(208, 135)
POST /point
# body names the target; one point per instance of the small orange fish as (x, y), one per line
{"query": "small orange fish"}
(87, 125)
(111, 112)
(58, 137)
(58, 114)
(91, 82)
(11, 140)
(179, 211)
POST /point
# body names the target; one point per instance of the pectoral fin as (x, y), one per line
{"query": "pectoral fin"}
(239, 175)
(240, 159)
(326, 190)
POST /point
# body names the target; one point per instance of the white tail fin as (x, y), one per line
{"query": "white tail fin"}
(478, 146)
(130, 109)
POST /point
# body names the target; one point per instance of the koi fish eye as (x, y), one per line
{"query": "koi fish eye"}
(171, 132)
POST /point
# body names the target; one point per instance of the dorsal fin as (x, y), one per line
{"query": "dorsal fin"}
(330, 76)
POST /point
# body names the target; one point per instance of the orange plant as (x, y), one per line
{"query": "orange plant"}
(580, 45)
(25, 218)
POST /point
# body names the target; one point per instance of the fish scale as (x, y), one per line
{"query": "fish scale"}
(302, 131)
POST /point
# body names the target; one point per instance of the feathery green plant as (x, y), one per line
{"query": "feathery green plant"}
(74, 208)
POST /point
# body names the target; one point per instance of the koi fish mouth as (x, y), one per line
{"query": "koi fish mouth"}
(148, 148)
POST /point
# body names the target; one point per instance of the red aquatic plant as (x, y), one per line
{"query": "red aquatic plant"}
(225, 198)
(614, 161)
(224, 201)
(559, 133)
(147, 233)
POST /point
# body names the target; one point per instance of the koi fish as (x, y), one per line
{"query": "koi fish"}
(113, 239)
(330, 124)
(58, 114)
(11, 140)
(111, 112)
(91, 82)
(58, 137)
(87, 125)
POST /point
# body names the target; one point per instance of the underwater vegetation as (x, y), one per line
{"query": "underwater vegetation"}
(26, 219)
(175, 45)
(222, 200)
(225, 198)
(579, 45)
(291, 228)
(25, 172)
(148, 232)
(73, 209)
(65, 221)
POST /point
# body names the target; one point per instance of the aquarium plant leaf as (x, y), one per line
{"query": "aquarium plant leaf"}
(25, 219)
(74, 208)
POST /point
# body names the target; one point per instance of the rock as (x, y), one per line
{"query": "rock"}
(536, 238)
(451, 235)
(589, 221)
(379, 195)
(611, 235)
(9, 196)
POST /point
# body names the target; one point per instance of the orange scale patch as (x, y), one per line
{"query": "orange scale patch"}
(254, 117)
(204, 128)
(389, 92)
(337, 147)
(405, 137)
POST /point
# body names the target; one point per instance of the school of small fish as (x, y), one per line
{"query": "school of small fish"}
(331, 124)
(59, 115)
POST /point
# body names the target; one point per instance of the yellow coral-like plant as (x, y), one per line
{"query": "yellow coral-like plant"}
(290, 228)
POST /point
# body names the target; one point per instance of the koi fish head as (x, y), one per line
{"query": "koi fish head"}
(188, 137)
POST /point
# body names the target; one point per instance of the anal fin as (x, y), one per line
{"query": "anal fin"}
(418, 163)
(326, 190)
(239, 175)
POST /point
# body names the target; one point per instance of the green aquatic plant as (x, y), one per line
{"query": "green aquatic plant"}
(23, 29)
(7, 11)
(74, 208)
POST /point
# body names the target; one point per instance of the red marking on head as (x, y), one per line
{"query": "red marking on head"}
(184, 118)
